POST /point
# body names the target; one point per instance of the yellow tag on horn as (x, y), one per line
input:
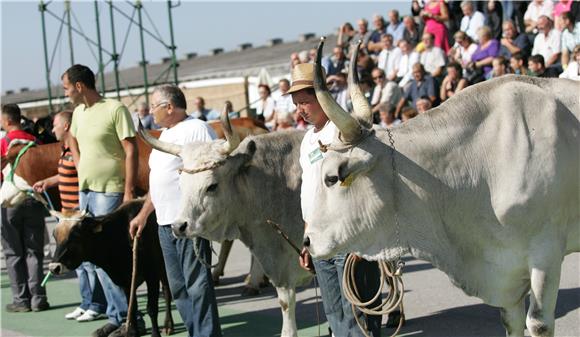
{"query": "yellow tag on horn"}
(347, 181)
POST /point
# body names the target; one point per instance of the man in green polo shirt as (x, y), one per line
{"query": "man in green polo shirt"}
(104, 134)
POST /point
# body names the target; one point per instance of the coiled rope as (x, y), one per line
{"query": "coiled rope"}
(390, 275)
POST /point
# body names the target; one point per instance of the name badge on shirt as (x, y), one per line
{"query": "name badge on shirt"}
(315, 156)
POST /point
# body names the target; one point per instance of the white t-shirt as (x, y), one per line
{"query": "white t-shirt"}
(432, 59)
(388, 60)
(164, 176)
(534, 11)
(470, 24)
(311, 163)
(405, 67)
(547, 45)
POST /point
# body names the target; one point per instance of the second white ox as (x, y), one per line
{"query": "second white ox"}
(486, 188)
(229, 190)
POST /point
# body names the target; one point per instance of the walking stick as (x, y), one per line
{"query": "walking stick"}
(132, 299)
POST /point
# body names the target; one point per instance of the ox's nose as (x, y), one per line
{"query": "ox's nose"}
(180, 228)
(306, 242)
(55, 268)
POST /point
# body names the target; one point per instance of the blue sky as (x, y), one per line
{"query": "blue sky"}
(198, 27)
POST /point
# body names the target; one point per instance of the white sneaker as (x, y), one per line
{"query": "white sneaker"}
(88, 316)
(75, 314)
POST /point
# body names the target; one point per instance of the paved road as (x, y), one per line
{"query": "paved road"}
(433, 306)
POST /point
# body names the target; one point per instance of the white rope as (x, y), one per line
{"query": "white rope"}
(394, 300)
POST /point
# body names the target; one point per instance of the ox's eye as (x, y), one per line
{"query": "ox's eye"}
(212, 188)
(330, 180)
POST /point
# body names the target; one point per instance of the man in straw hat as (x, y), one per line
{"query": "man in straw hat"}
(329, 272)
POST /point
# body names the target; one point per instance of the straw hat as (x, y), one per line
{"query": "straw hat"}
(303, 77)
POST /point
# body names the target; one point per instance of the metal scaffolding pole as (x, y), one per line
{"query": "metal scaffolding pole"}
(101, 66)
(139, 7)
(115, 56)
(70, 40)
(172, 47)
(42, 8)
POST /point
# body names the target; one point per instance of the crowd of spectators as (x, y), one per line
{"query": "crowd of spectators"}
(408, 65)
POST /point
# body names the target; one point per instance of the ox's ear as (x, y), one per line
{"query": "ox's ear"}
(242, 156)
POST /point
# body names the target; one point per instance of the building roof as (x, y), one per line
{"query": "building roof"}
(247, 62)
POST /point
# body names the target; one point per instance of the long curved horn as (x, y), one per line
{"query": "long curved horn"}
(348, 125)
(361, 107)
(232, 137)
(157, 144)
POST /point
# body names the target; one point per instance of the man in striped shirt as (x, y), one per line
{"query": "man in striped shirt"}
(93, 303)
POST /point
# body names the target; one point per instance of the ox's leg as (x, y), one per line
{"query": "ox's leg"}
(514, 319)
(287, 300)
(225, 249)
(255, 279)
(545, 281)
(153, 304)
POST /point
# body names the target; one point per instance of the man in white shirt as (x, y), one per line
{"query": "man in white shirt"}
(547, 42)
(472, 20)
(328, 272)
(384, 90)
(283, 102)
(433, 57)
(189, 278)
(388, 57)
(406, 61)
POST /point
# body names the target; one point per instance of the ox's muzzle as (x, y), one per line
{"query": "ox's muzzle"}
(179, 229)
(306, 242)
(57, 268)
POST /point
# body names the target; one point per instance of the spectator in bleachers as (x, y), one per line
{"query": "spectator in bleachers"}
(407, 114)
(462, 50)
(406, 61)
(416, 9)
(294, 60)
(396, 27)
(455, 16)
(335, 63)
(573, 70)
(387, 116)
(311, 55)
(265, 106)
(570, 36)
(537, 8)
(338, 88)
(493, 13)
(388, 57)
(472, 20)
(518, 64)
(362, 32)
(384, 90)
(561, 7)
(435, 16)
(432, 57)
(512, 42)
(284, 121)
(374, 46)
(201, 112)
(345, 35)
(422, 85)
(453, 81)
(423, 104)
(142, 114)
(548, 41)
(538, 67)
(412, 32)
(520, 8)
(499, 68)
(283, 102)
(365, 64)
(482, 58)
(304, 56)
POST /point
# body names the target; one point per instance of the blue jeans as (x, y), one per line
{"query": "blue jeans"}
(92, 296)
(190, 283)
(100, 204)
(337, 308)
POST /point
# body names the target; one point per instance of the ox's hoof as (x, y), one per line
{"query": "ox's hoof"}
(249, 291)
(168, 328)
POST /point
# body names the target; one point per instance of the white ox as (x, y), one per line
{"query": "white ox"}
(487, 189)
(229, 191)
